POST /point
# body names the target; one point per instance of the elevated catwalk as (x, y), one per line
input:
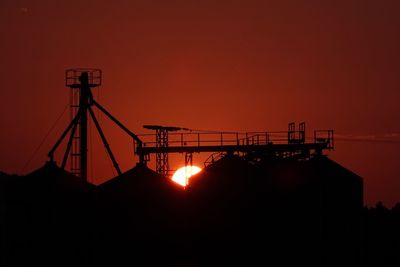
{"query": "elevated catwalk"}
(282, 144)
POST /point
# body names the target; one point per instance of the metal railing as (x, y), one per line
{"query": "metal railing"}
(72, 77)
(199, 139)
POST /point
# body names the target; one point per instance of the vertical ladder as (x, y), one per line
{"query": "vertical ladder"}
(75, 167)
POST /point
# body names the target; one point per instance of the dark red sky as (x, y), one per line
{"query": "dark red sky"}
(230, 65)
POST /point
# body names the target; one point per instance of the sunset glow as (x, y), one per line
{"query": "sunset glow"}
(182, 175)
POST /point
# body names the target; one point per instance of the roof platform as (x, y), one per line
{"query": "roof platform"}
(281, 144)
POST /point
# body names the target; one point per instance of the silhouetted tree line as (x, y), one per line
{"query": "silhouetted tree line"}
(381, 235)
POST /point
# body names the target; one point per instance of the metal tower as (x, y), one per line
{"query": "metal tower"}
(162, 162)
(81, 81)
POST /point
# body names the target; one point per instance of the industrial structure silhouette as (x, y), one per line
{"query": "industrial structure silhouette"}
(266, 198)
(250, 144)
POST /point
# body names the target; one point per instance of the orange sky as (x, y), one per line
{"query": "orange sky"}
(224, 65)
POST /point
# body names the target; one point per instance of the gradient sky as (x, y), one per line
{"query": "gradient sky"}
(223, 65)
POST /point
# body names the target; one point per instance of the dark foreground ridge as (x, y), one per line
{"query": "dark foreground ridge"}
(236, 212)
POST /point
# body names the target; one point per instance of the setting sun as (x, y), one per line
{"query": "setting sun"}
(182, 175)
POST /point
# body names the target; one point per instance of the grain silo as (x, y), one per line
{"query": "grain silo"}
(289, 211)
(49, 218)
(140, 219)
(220, 206)
(322, 201)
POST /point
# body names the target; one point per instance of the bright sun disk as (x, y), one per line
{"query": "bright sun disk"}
(182, 175)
